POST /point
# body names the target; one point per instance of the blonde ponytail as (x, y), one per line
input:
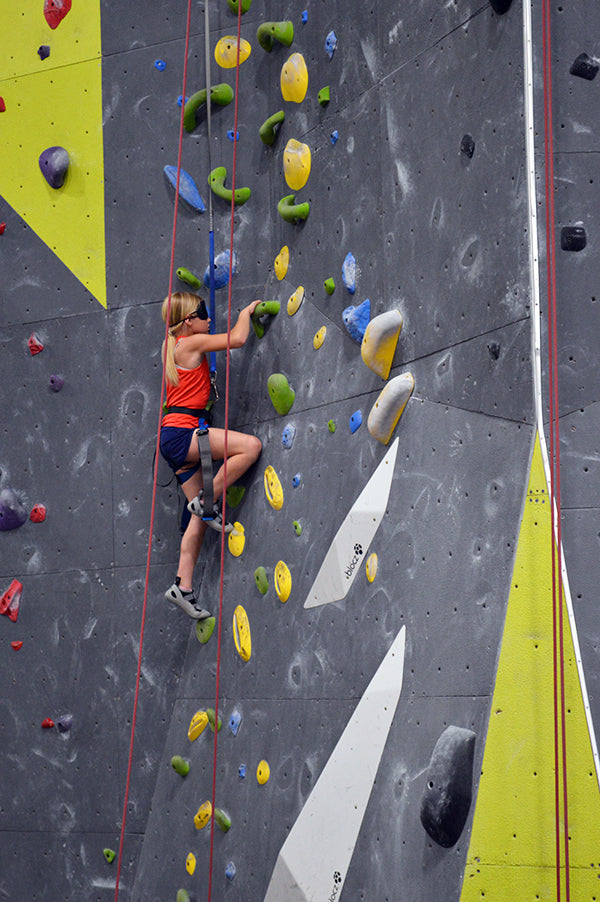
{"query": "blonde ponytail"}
(182, 304)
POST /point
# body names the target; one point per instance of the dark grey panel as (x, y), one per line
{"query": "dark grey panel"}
(580, 458)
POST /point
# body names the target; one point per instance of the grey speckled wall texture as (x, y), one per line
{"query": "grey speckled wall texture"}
(436, 234)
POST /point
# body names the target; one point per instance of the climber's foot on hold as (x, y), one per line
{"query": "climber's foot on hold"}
(186, 601)
(196, 507)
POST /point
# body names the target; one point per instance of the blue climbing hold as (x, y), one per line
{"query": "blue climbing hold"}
(304, 16)
(349, 272)
(181, 101)
(230, 870)
(355, 421)
(187, 188)
(160, 65)
(230, 135)
(221, 269)
(334, 136)
(330, 44)
(235, 721)
(356, 320)
(288, 435)
(296, 480)
(242, 771)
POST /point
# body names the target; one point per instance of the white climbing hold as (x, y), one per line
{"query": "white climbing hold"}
(389, 406)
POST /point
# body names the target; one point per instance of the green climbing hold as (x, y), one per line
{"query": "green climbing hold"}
(270, 127)
(297, 528)
(183, 895)
(323, 96)
(222, 819)
(205, 629)
(329, 285)
(109, 854)
(331, 425)
(291, 211)
(210, 713)
(234, 495)
(219, 94)
(269, 32)
(216, 180)
(186, 276)
(261, 580)
(233, 6)
(280, 392)
(263, 316)
(180, 765)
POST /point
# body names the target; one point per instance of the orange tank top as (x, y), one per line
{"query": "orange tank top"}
(193, 391)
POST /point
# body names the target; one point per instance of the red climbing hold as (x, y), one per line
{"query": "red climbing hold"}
(38, 513)
(55, 11)
(11, 598)
(2, 227)
(17, 645)
(35, 345)
(47, 723)
(2, 105)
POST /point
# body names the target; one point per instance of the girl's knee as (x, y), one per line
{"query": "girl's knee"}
(255, 446)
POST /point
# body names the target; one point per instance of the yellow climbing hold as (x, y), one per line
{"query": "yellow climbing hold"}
(294, 78)
(241, 633)
(273, 489)
(295, 300)
(282, 262)
(236, 540)
(190, 863)
(203, 815)
(296, 164)
(197, 725)
(379, 342)
(319, 338)
(283, 581)
(371, 567)
(226, 52)
(263, 772)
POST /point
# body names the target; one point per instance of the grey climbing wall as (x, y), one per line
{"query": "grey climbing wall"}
(438, 234)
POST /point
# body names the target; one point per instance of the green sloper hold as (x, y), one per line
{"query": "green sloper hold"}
(233, 6)
(234, 495)
(323, 96)
(216, 180)
(183, 895)
(180, 765)
(109, 854)
(270, 127)
(186, 276)
(280, 392)
(269, 32)
(222, 819)
(261, 580)
(205, 629)
(263, 316)
(210, 713)
(329, 285)
(291, 211)
(219, 94)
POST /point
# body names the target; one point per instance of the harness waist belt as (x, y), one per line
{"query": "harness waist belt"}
(193, 411)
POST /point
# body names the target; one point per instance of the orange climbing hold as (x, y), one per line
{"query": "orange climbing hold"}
(55, 11)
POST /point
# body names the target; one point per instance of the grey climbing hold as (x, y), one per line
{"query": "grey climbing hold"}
(467, 146)
(584, 66)
(573, 238)
(356, 319)
(447, 797)
(44, 51)
(54, 165)
(12, 511)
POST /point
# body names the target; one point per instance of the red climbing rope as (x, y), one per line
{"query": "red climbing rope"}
(155, 479)
(560, 739)
(224, 501)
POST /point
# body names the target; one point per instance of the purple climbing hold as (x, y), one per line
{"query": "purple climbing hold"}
(64, 723)
(54, 164)
(356, 319)
(12, 512)
(43, 52)
(56, 382)
(573, 238)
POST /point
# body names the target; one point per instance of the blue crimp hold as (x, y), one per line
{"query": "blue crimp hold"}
(230, 870)
(330, 44)
(235, 721)
(187, 188)
(230, 135)
(349, 272)
(355, 421)
(221, 270)
(334, 136)
(242, 771)
(296, 480)
(160, 65)
(356, 320)
(288, 435)
(181, 101)
(305, 16)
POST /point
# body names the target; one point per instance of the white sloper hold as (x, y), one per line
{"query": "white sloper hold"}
(379, 342)
(389, 406)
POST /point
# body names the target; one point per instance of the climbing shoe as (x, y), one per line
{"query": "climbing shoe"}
(186, 601)
(196, 507)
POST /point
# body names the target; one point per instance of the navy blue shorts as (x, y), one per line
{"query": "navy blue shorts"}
(175, 444)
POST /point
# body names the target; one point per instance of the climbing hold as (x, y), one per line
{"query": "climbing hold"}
(297, 527)
(290, 211)
(64, 723)
(330, 44)
(296, 164)
(273, 489)
(379, 342)
(329, 285)
(389, 406)
(189, 278)
(205, 629)
(333, 137)
(55, 11)
(190, 863)
(270, 127)
(203, 815)
(331, 425)
(236, 540)
(38, 513)
(11, 599)
(12, 512)
(280, 392)
(43, 51)
(355, 421)
(263, 315)
(349, 272)
(160, 65)
(242, 771)
(2, 105)
(323, 96)
(54, 165)
(371, 567)
(223, 263)
(296, 480)
(17, 645)
(447, 797)
(216, 180)
(234, 721)
(212, 720)
(241, 633)
(269, 32)
(231, 136)
(282, 262)
(2, 228)
(34, 344)
(283, 581)
(467, 146)
(198, 724)
(319, 337)
(304, 16)
(294, 78)
(226, 52)
(234, 6)
(356, 319)
(261, 580)
(222, 95)
(494, 348)
(109, 854)
(295, 300)
(288, 435)
(230, 870)
(182, 896)
(222, 819)
(47, 723)
(584, 67)
(56, 382)
(180, 765)
(188, 191)
(263, 772)
(234, 495)
(500, 6)
(573, 238)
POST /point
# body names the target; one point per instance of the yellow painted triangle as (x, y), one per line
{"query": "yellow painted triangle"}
(512, 852)
(57, 101)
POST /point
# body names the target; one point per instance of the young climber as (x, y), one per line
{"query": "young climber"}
(188, 388)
